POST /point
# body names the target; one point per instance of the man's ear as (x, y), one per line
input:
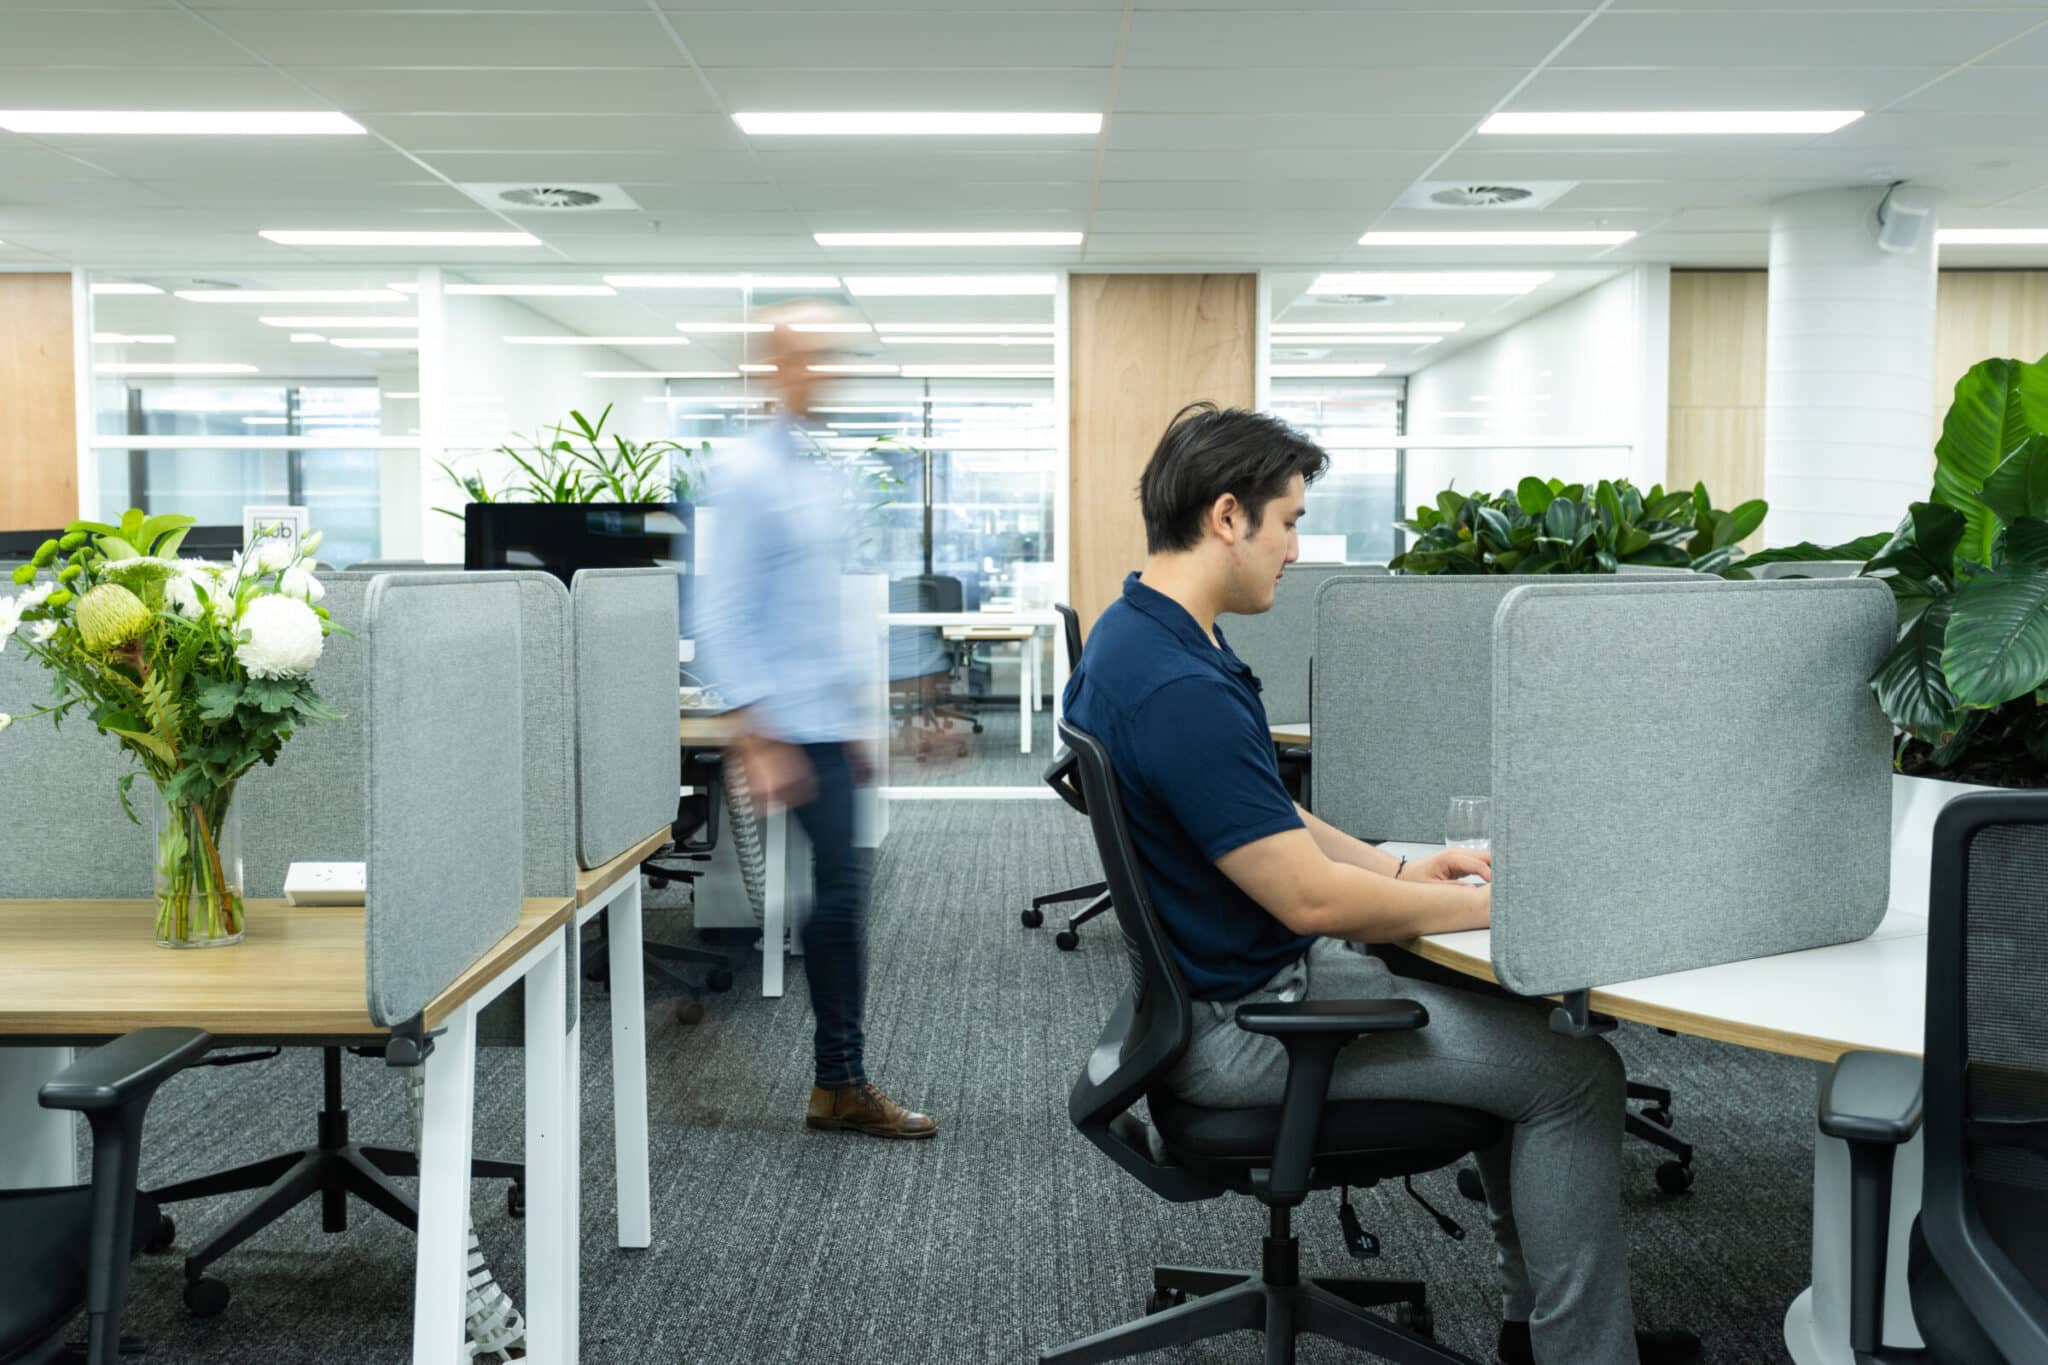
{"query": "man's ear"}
(1227, 519)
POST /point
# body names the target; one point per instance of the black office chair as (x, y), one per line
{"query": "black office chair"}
(1978, 1265)
(64, 1251)
(1095, 893)
(1275, 1153)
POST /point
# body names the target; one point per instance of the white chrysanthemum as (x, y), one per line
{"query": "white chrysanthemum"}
(5, 720)
(39, 632)
(181, 594)
(280, 638)
(298, 582)
(274, 555)
(36, 596)
(10, 617)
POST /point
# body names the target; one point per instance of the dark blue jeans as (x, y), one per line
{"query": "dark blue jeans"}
(835, 933)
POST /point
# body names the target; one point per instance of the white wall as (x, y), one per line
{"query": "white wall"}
(1594, 369)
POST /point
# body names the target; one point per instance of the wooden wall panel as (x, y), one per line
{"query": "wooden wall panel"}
(1717, 385)
(38, 421)
(1144, 346)
(1983, 313)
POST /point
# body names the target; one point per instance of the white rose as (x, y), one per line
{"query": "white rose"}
(310, 544)
(299, 583)
(273, 555)
(280, 637)
(181, 595)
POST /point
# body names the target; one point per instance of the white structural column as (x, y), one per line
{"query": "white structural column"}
(1848, 392)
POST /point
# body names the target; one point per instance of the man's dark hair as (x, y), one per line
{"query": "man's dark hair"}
(1209, 451)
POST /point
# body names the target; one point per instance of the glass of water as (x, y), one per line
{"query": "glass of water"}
(1465, 826)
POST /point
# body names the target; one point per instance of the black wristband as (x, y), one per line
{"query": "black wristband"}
(1397, 870)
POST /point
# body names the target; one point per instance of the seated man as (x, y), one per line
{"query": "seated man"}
(1258, 896)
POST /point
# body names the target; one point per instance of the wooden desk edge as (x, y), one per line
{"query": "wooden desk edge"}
(598, 880)
(1660, 1016)
(539, 916)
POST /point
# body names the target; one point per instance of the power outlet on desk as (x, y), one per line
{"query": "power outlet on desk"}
(325, 884)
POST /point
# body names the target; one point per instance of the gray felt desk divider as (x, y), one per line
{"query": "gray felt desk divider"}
(628, 755)
(1403, 710)
(1812, 568)
(1685, 774)
(444, 784)
(1278, 644)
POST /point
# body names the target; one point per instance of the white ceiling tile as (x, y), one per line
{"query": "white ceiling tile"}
(1983, 89)
(1229, 132)
(995, 88)
(1286, 196)
(935, 196)
(1264, 166)
(685, 192)
(1758, 87)
(361, 91)
(462, 38)
(152, 87)
(686, 253)
(1705, 250)
(1976, 135)
(431, 133)
(83, 37)
(679, 165)
(268, 197)
(940, 40)
(1574, 7)
(1792, 38)
(284, 158)
(1472, 91)
(1346, 38)
(346, 6)
(2030, 50)
(887, 161)
(560, 227)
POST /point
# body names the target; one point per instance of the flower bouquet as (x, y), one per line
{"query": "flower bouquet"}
(199, 670)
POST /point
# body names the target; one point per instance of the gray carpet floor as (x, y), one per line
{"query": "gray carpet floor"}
(776, 1246)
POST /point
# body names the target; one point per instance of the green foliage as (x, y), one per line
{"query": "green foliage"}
(1552, 527)
(578, 462)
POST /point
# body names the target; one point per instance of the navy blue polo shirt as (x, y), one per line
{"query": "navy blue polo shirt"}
(1187, 734)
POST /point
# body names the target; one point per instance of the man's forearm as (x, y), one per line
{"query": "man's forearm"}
(1340, 847)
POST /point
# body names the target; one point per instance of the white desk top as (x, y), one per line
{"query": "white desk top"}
(1818, 1003)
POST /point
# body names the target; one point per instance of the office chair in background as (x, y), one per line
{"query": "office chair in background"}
(1978, 1264)
(1274, 1153)
(921, 666)
(1095, 893)
(65, 1250)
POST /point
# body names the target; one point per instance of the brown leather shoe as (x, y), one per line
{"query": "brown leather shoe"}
(864, 1109)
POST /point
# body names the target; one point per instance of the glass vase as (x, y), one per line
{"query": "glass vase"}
(199, 872)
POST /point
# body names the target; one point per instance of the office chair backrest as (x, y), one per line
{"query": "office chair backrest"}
(1984, 1210)
(1070, 623)
(1150, 1028)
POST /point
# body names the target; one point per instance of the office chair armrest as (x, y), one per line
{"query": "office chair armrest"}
(1283, 1019)
(126, 1071)
(1314, 1032)
(1871, 1097)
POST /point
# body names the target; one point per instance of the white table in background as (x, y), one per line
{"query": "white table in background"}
(1007, 625)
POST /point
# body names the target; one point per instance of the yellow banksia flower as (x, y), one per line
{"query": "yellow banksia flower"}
(110, 616)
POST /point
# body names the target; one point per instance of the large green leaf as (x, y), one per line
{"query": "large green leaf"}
(1563, 520)
(1987, 422)
(1997, 645)
(2018, 487)
(1741, 523)
(1862, 548)
(1910, 684)
(1534, 495)
(2026, 542)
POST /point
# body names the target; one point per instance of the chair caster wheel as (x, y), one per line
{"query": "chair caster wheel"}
(689, 1012)
(1470, 1185)
(1673, 1178)
(1067, 940)
(1658, 1115)
(206, 1298)
(658, 883)
(719, 980)
(1417, 1318)
(515, 1199)
(162, 1237)
(1033, 917)
(1159, 1300)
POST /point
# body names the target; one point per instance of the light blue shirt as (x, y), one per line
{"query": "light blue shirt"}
(771, 623)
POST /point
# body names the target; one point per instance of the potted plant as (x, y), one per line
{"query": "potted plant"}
(589, 470)
(1551, 527)
(200, 671)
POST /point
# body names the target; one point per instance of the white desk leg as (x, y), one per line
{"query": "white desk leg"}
(38, 1146)
(774, 902)
(1030, 647)
(551, 1240)
(1023, 700)
(629, 1066)
(440, 1276)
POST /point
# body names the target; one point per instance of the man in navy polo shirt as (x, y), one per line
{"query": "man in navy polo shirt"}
(1258, 897)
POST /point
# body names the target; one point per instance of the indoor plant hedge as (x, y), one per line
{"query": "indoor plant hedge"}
(1552, 527)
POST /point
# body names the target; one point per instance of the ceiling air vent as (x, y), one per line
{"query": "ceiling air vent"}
(1484, 196)
(526, 197)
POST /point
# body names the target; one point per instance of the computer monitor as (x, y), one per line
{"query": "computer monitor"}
(561, 538)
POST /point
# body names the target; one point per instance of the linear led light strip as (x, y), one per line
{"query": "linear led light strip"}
(1331, 328)
(1476, 282)
(175, 367)
(1325, 371)
(1671, 122)
(961, 328)
(337, 322)
(948, 286)
(125, 339)
(376, 343)
(912, 339)
(1559, 237)
(246, 123)
(775, 282)
(289, 295)
(661, 374)
(125, 287)
(917, 124)
(1353, 339)
(521, 291)
(406, 237)
(709, 328)
(596, 341)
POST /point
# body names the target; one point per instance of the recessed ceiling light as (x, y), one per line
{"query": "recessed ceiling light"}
(910, 339)
(595, 341)
(780, 282)
(1429, 282)
(1354, 339)
(836, 327)
(757, 369)
(917, 124)
(121, 287)
(851, 369)
(376, 343)
(1658, 122)
(661, 374)
(1991, 236)
(525, 291)
(241, 122)
(975, 371)
(947, 238)
(1325, 371)
(394, 393)
(1328, 328)
(306, 337)
(710, 327)
(956, 286)
(964, 328)
(129, 339)
(263, 421)
(291, 296)
(177, 367)
(1497, 238)
(402, 237)
(339, 322)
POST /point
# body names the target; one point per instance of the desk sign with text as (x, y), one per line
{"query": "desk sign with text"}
(260, 524)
